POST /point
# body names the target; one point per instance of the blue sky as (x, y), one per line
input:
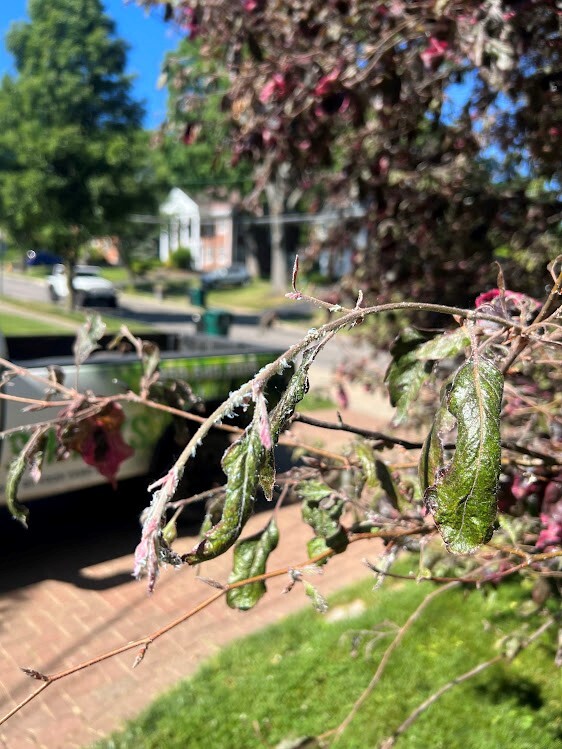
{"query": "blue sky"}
(149, 39)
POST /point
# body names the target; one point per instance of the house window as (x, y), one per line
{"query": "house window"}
(208, 230)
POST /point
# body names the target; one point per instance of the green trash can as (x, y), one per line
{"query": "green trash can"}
(198, 296)
(215, 322)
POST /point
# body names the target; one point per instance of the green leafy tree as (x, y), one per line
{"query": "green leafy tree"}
(194, 145)
(73, 159)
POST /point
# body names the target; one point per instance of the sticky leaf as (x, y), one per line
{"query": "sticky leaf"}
(367, 460)
(293, 394)
(242, 463)
(250, 558)
(267, 475)
(322, 512)
(406, 374)
(462, 493)
(444, 346)
(15, 474)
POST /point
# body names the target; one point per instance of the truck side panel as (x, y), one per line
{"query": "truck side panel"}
(211, 377)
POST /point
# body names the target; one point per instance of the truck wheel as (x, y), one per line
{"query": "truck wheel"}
(80, 299)
(53, 294)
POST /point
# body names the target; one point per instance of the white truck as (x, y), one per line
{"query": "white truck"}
(90, 288)
(213, 367)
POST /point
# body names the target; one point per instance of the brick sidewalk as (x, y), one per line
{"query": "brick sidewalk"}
(51, 625)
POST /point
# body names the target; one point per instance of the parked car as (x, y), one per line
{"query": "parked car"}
(90, 288)
(41, 257)
(234, 275)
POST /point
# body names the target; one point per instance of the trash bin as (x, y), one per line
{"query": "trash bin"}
(198, 296)
(215, 322)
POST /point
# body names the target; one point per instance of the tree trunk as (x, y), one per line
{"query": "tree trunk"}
(70, 264)
(275, 192)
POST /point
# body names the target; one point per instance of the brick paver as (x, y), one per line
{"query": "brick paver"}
(53, 624)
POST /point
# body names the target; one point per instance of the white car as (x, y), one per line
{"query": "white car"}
(89, 286)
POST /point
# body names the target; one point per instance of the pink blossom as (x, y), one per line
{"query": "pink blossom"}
(551, 533)
(105, 450)
(276, 86)
(324, 85)
(524, 487)
(433, 54)
(516, 297)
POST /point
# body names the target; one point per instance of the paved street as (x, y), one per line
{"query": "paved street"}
(177, 315)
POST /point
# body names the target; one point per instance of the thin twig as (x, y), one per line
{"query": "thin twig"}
(421, 708)
(49, 383)
(523, 339)
(385, 659)
(145, 642)
(387, 439)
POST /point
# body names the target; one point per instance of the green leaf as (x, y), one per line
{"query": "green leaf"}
(294, 393)
(386, 480)
(316, 546)
(250, 558)
(318, 600)
(322, 512)
(367, 460)
(242, 463)
(444, 346)
(15, 474)
(313, 490)
(462, 493)
(87, 338)
(267, 475)
(406, 373)
(432, 455)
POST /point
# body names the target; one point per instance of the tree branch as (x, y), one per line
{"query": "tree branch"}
(415, 714)
(385, 659)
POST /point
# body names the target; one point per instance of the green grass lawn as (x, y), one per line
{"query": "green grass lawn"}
(298, 678)
(38, 318)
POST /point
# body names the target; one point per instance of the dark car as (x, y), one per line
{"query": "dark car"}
(41, 257)
(234, 275)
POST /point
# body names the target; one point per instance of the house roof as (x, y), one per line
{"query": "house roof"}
(178, 203)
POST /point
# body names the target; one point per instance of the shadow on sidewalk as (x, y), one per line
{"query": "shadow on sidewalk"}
(71, 532)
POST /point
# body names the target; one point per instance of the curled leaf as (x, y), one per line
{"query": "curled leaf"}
(367, 460)
(250, 558)
(15, 474)
(461, 495)
(321, 509)
(29, 456)
(294, 393)
(267, 475)
(87, 338)
(242, 463)
(406, 373)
